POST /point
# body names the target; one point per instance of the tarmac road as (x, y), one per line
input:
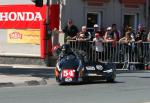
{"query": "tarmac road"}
(129, 88)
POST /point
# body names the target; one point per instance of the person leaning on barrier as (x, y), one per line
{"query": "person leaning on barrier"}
(116, 32)
(82, 39)
(129, 36)
(84, 35)
(110, 37)
(140, 38)
(129, 43)
(70, 30)
(148, 36)
(110, 43)
(126, 39)
(141, 34)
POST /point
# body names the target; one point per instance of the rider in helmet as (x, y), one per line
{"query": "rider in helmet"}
(65, 50)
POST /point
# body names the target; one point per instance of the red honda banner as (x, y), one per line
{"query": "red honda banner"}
(21, 16)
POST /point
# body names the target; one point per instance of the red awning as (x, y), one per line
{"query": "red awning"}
(133, 1)
(96, 2)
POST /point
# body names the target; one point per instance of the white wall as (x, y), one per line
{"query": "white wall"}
(73, 9)
(6, 2)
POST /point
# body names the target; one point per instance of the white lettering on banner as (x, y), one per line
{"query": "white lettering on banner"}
(3, 16)
(20, 16)
(38, 16)
(30, 16)
(12, 16)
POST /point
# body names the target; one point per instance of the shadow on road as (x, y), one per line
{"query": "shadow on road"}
(36, 72)
(91, 83)
(147, 77)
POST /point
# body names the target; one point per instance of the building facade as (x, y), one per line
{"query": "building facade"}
(105, 12)
(85, 12)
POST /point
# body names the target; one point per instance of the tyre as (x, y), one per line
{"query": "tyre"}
(112, 78)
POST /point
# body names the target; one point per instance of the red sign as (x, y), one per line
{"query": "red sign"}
(21, 16)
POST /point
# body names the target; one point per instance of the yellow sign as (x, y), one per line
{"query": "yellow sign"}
(31, 36)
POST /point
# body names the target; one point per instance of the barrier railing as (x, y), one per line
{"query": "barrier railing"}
(134, 53)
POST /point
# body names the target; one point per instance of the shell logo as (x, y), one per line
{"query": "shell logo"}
(15, 35)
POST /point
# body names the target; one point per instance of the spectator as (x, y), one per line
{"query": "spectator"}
(129, 47)
(110, 38)
(96, 30)
(70, 30)
(141, 37)
(126, 39)
(148, 37)
(84, 35)
(129, 36)
(98, 40)
(116, 31)
(141, 34)
(132, 34)
(109, 35)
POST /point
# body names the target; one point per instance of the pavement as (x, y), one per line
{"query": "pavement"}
(14, 75)
(13, 81)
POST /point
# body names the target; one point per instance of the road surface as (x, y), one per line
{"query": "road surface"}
(129, 88)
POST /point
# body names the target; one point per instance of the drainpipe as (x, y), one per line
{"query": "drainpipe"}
(61, 4)
(114, 11)
(48, 44)
(147, 15)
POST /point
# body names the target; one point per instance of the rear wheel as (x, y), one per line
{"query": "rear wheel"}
(112, 78)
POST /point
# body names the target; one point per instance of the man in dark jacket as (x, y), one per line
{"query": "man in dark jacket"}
(70, 30)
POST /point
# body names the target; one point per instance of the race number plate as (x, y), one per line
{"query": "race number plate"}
(68, 73)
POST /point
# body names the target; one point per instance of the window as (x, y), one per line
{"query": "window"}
(131, 20)
(93, 18)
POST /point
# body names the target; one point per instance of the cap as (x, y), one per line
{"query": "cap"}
(84, 27)
(109, 28)
(96, 26)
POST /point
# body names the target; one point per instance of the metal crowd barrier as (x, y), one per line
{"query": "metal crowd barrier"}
(134, 53)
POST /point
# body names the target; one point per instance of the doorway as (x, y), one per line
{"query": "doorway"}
(131, 20)
(93, 18)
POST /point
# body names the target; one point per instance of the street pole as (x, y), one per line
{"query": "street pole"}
(48, 34)
(147, 15)
(48, 43)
